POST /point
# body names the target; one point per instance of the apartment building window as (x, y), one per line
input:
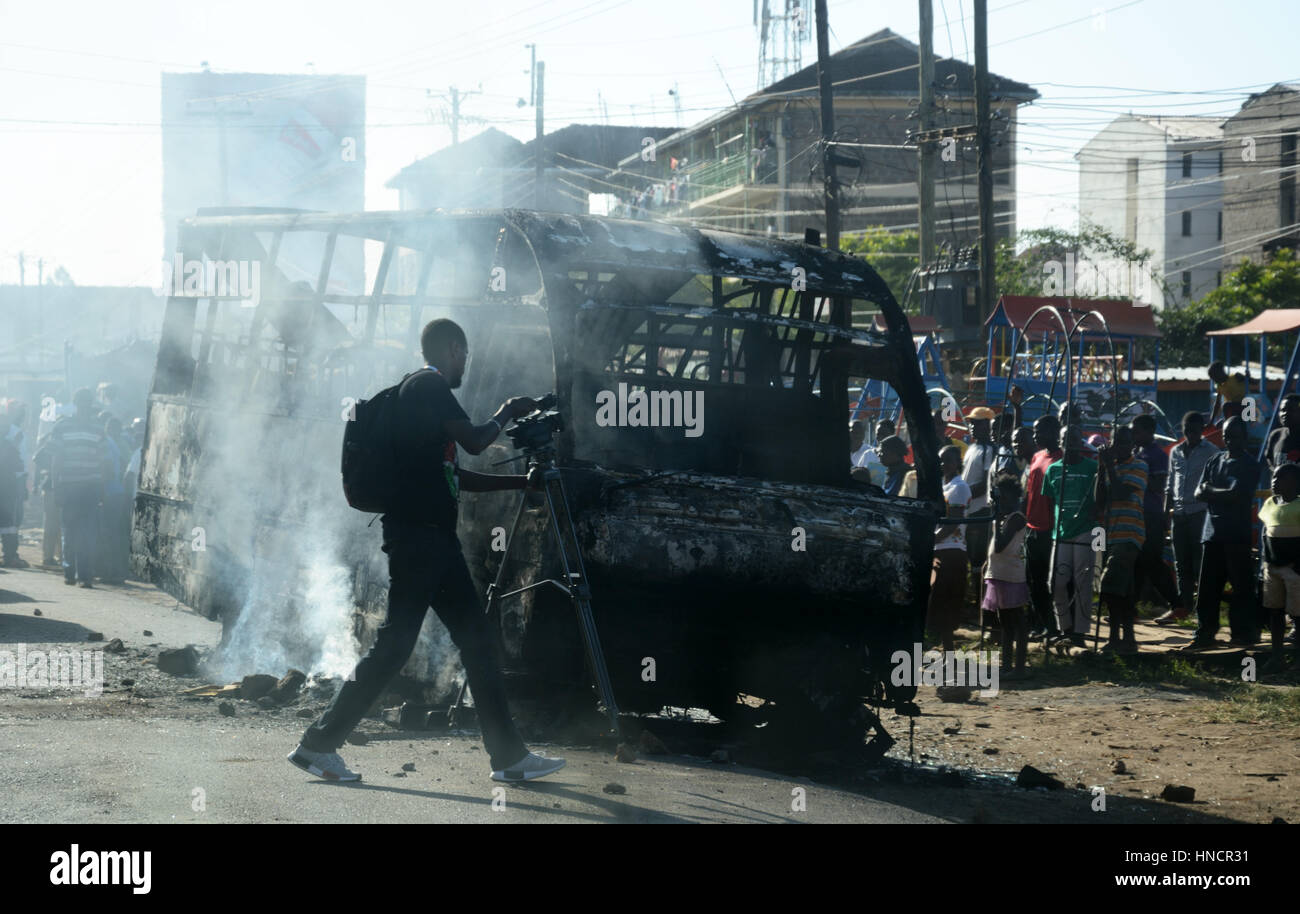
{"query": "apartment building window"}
(1220, 161)
(1187, 285)
(1187, 164)
(1187, 225)
(1219, 234)
(1218, 278)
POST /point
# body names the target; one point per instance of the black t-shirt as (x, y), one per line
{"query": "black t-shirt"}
(1283, 447)
(426, 456)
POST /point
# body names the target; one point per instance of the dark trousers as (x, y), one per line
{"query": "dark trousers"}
(1222, 563)
(1038, 575)
(1151, 565)
(426, 567)
(79, 512)
(1187, 554)
(114, 546)
(51, 537)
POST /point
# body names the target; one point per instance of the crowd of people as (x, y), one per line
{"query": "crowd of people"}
(84, 469)
(1034, 514)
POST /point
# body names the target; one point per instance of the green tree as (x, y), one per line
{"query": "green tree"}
(1040, 249)
(894, 255)
(1248, 290)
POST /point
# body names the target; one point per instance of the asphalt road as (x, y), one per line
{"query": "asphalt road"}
(117, 758)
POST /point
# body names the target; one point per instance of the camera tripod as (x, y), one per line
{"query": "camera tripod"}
(574, 584)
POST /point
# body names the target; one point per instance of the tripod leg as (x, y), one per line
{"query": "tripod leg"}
(493, 590)
(575, 579)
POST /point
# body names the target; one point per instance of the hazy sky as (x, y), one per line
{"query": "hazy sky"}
(79, 85)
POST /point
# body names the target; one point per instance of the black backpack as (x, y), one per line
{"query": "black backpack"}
(371, 481)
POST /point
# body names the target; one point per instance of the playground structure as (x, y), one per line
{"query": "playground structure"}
(1081, 351)
(1260, 410)
(877, 399)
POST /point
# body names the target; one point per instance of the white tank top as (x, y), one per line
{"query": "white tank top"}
(1009, 564)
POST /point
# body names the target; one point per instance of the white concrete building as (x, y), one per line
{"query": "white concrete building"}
(1158, 182)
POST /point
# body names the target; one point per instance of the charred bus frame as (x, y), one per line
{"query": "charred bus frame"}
(741, 560)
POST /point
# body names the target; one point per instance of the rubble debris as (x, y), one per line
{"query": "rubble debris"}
(226, 709)
(305, 713)
(399, 774)
(37, 612)
(409, 766)
(625, 753)
(267, 703)
(115, 646)
(611, 787)
(720, 756)
(95, 636)
(212, 691)
(290, 684)
(256, 685)
(954, 694)
(951, 731)
(128, 682)
(357, 739)
(1118, 766)
(990, 750)
(147, 633)
(651, 744)
(1278, 820)
(1178, 794)
(1030, 777)
(181, 661)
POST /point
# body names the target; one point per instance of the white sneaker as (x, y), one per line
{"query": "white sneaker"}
(327, 765)
(529, 767)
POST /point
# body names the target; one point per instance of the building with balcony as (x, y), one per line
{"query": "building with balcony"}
(757, 166)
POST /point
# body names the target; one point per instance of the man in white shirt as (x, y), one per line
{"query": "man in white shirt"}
(948, 582)
(975, 471)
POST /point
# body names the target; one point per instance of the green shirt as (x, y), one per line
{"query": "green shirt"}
(1075, 510)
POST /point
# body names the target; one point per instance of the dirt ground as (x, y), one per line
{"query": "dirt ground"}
(1129, 726)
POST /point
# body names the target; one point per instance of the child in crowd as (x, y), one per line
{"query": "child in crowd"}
(1005, 590)
(1280, 515)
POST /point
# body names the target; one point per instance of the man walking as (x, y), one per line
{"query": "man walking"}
(1186, 465)
(426, 566)
(1228, 489)
(77, 456)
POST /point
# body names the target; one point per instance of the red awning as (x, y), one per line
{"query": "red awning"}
(1122, 316)
(1274, 320)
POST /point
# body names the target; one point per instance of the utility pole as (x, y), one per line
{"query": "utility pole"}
(926, 151)
(831, 192)
(539, 87)
(532, 76)
(984, 145)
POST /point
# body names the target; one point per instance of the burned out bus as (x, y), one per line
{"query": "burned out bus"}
(726, 546)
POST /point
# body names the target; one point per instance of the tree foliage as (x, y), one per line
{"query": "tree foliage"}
(894, 255)
(1248, 290)
(1024, 273)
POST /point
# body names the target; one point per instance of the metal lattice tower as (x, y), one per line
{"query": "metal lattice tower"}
(780, 38)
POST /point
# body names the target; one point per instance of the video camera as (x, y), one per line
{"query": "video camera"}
(534, 432)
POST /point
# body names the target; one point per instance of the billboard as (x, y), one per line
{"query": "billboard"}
(268, 140)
